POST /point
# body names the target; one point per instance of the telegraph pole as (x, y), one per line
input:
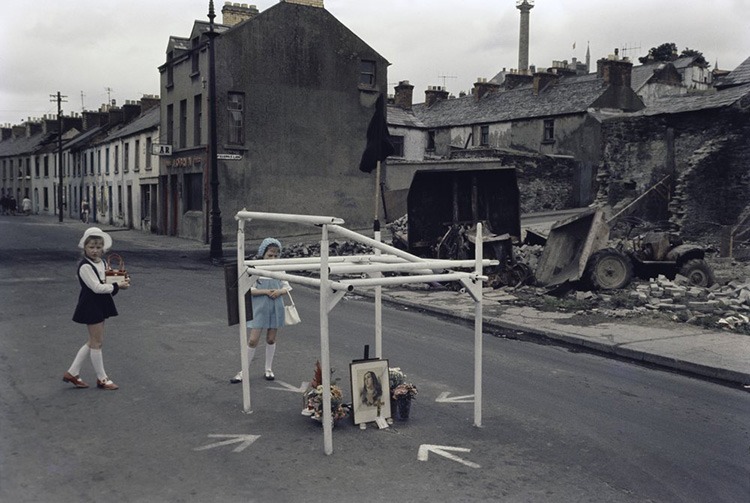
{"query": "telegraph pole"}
(216, 252)
(57, 97)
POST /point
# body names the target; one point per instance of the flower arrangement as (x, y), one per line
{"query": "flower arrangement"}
(400, 389)
(313, 398)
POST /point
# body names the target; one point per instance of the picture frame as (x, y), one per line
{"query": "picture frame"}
(371, 390)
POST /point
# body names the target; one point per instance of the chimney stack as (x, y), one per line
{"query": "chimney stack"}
(433, 94)
(542, 80)
(513, 80)
(235, 13)
(404, 94)
(149, 101)
(482, 87)
(614, 71)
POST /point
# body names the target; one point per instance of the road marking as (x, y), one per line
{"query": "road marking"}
(290, 387)
(441, 450)
(443, 398)
(246, 440)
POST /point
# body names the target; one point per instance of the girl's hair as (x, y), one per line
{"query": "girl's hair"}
(92, 238)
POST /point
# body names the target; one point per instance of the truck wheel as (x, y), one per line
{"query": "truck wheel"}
(608, 269)
(697, 272)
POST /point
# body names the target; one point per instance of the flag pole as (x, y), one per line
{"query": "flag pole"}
(378, 289)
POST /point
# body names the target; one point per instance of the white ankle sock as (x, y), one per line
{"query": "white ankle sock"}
(98, 362)
(270, 351)
(250, 355)
(75, 368)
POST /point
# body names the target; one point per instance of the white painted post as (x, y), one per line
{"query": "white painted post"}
(246, 407)
(325, 350)
(378, 309)
(478, 254)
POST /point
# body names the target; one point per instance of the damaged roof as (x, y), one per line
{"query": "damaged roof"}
(570, 95)
(695, 101)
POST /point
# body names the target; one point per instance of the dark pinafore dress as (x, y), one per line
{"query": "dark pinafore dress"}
(93, 307)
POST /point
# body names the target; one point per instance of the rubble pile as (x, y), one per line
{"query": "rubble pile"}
(336, 248)
(731, 301)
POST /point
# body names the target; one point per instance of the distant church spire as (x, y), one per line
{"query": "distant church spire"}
(588, 58)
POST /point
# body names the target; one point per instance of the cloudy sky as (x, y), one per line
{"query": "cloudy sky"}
(110, 49)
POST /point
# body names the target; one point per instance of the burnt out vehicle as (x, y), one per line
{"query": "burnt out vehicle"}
(444, 206)
(579, 250)
(664, 253)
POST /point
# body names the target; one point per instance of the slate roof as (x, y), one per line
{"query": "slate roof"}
(24, 145)
(738, 76)
(399, 117)
(147, 120)
(641, 74)
(83, 139)
(695, 101)
(570, 95)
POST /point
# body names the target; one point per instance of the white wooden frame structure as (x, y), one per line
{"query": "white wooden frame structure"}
(385, 259)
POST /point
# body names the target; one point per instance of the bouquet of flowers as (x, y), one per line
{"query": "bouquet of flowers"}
(313, 398)
(400, 389)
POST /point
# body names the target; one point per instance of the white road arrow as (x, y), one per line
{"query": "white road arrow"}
(290, 387)
(441, 450)
(246, 441)
(443, 398)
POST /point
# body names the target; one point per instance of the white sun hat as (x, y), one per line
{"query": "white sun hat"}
(96, 231)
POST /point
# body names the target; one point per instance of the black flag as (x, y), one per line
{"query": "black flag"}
(378, 143)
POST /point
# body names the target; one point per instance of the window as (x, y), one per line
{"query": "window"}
(28, 167)
(137, 155)
(236, 109)
(36, 167)
(194, 192)
(117, 159)
(170, 124)
(549, 130)
(367, 73)
(126, 157)
(106, 161)
(46, 166)
(148, 152)
(119, 199)
(98, 162)
(431, 139)
(398, 145)
(45, 191)
(91, 163)
(484, 136)
(183, 123)
(197, 118)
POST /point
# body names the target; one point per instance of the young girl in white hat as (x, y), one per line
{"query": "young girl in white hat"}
(95, 305)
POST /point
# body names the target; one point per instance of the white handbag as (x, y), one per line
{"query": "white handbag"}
(291, 316)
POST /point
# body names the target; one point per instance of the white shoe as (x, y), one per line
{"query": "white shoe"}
(237, 378)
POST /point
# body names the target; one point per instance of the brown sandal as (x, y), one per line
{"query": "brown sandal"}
(74, 380)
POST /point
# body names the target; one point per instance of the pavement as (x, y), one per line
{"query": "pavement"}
(715, 354)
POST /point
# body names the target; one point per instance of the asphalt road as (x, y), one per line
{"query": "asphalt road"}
(558, 425)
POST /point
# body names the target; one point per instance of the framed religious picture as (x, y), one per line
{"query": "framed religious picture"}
(370, 390)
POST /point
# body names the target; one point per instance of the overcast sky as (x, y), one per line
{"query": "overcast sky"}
(90, 46)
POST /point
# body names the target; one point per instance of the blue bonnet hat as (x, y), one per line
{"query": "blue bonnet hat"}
(266, 243)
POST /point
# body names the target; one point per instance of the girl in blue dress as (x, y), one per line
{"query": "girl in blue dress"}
(268, 309)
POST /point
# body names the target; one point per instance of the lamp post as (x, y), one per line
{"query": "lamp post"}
(216, 252)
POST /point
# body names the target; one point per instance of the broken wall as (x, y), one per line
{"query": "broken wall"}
(707, 153)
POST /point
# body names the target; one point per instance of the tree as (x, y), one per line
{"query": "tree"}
(665, 52)
(668, 52)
